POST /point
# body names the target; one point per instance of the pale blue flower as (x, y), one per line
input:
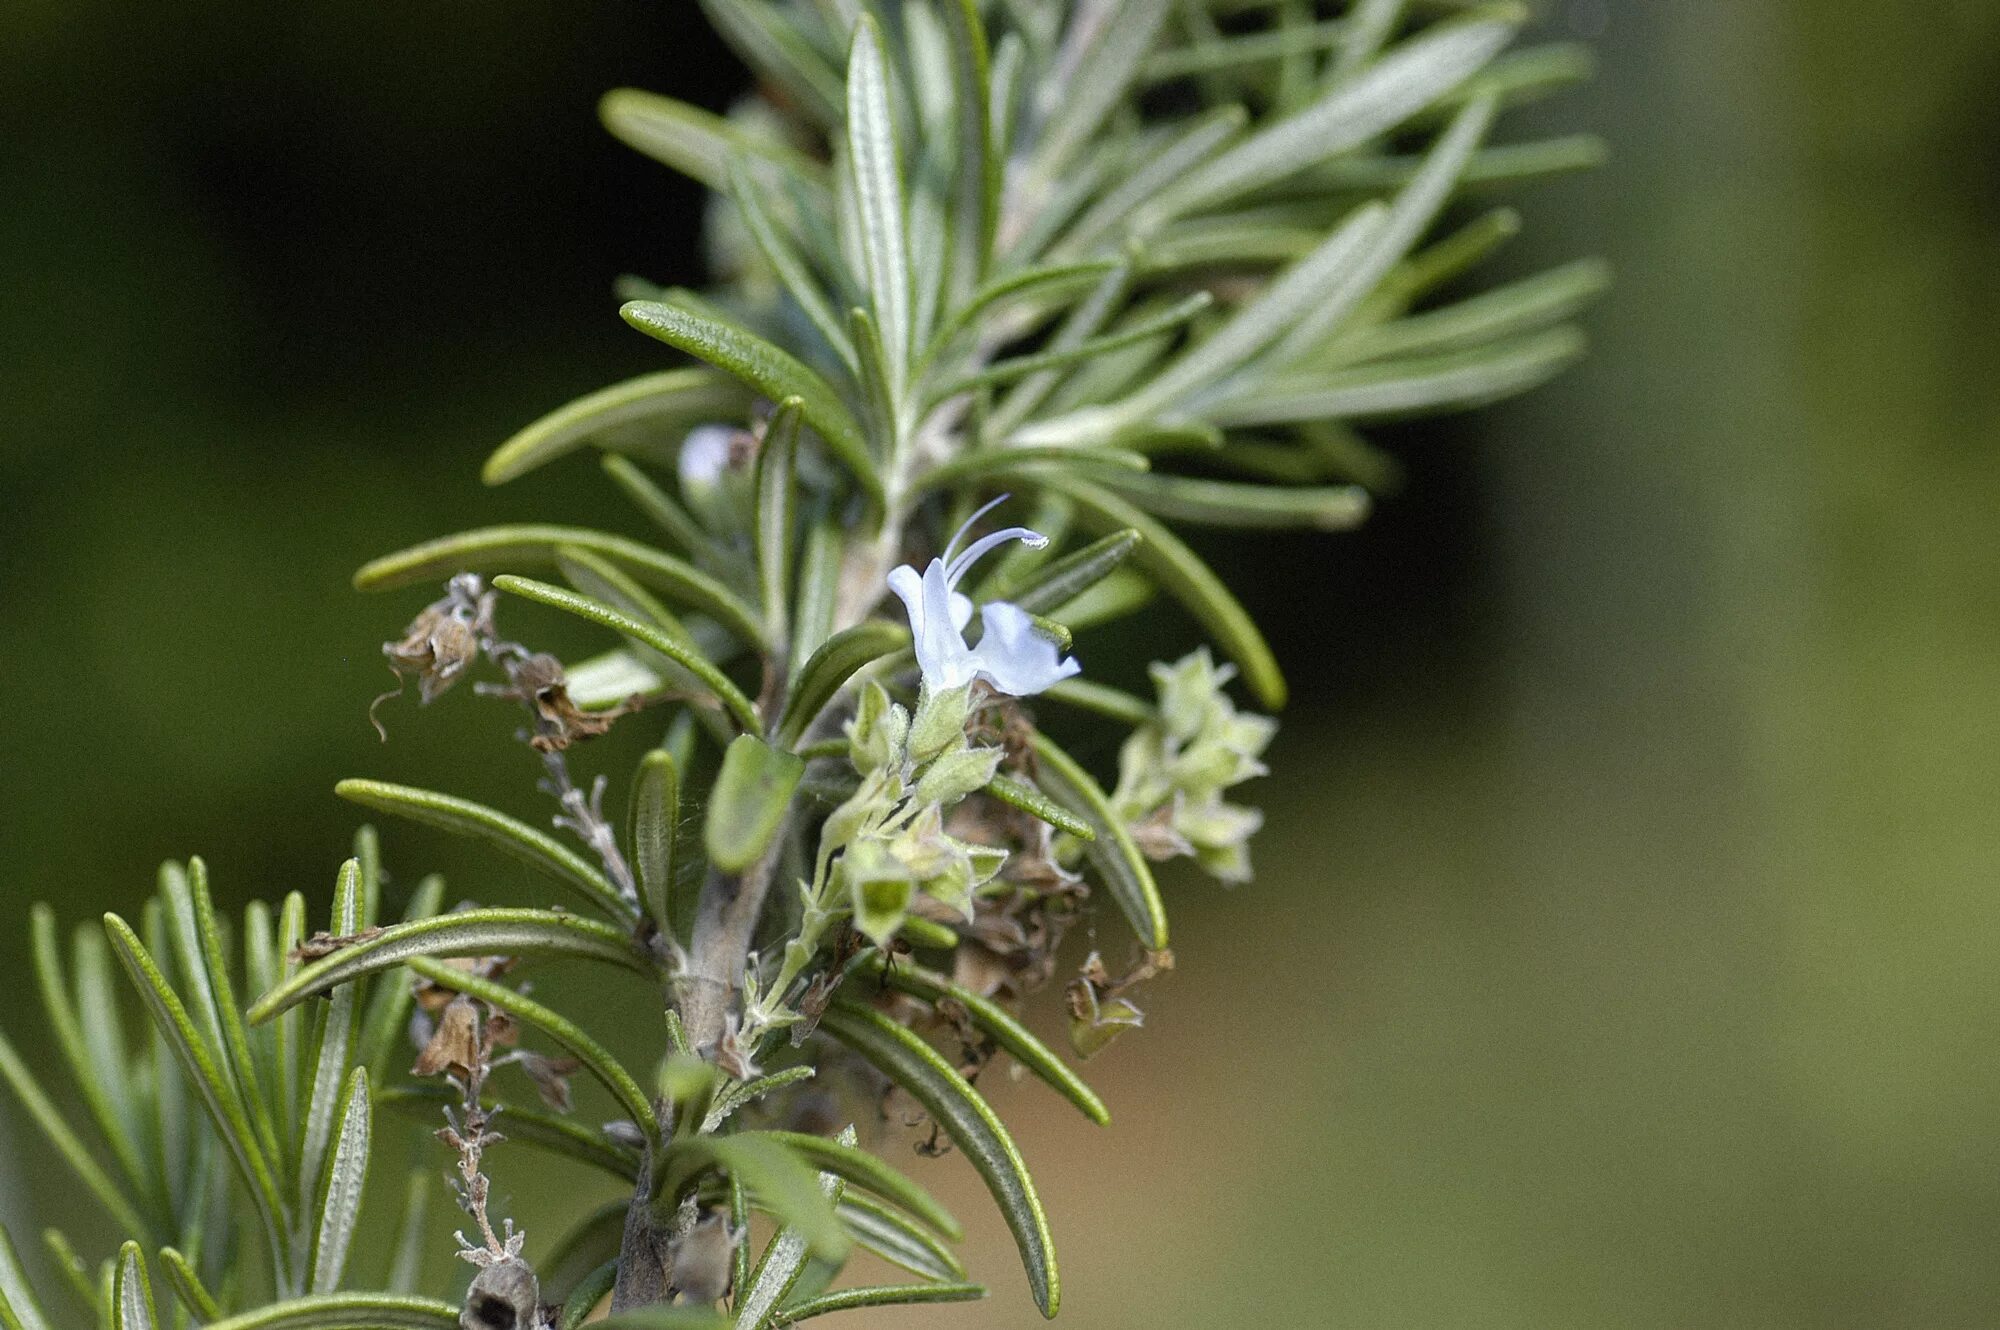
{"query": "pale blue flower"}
(1012, 655)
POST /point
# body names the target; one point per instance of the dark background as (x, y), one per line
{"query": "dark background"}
(1624, 949)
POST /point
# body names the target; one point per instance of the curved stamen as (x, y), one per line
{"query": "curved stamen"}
(959, 534)
(962, 565)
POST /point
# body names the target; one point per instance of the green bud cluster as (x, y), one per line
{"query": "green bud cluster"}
(1174, 769)
(890, 835)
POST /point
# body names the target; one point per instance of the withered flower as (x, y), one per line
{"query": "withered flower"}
(454, 1043)
(439, 643)
(541, 682)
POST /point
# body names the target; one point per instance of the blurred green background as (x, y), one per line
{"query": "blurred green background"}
(1623, 953)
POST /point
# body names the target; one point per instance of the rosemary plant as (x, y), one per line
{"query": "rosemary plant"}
(1009, 289)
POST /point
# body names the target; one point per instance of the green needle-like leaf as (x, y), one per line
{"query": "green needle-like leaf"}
(1452, 381)
(655, 819)
(1021, 795)
(558, 1135)
(898, 1239)
(585, 607)
(1082, 97)
(776, 1173)
(340, 1190)
(1066, 578)
(839, 659)
(1178, 571)
(648, 414)
(775, 373)
(861, 1169)
(485, 932)
(188, 1287)
(135, 1307)
(583, 1299)
(1257, 507)
(462, 817)
(347, 1311)
(747, 805)
(971, 1123)
(777, 461)
(1518, 307)
(874, 160)
(324, 1099)
(505, 547)
(1001, 1026)
(1117, 860)
(198, 1059)
(96, 1065)
(18, 1308)
(898, 1295)
(697, 143)
(778, 1270)
(1357, 109)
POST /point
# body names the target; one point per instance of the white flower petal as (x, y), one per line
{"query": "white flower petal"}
(1014, 657)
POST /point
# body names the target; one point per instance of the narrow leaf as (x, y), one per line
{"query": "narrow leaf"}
(1174, 566)
(187, 1286)
(485, 932)
(648, 414)
(81, 1158)
(861, 1169)
(897, 1295)
(778, 1268)
(913, 1064)
(779, 52)
(347, 1311)
(462, 817)
(1453, 381)
(978, 167)
(545, 1131)
(898, 1239)
(986, 463)
(792, 273)
(341, 1189)
(698, 143)
(1321, 276)
(96, 1064)
(136, 1310)
(655, 821)
(1117, 860)
(839, 659)
(738, 1093)
(1019, 367)
(591, 1290)
(873, 157)
(1021, 795)
(505, 547)
(1075, 573)
(747, 805)
(584, 607)
(18, 1308)
(777, 1174)
(323, 1095)
(196, 1057)
(776, 478)
(1002, 1027)
(771, 371)
(1518, 307)
(1375, 99)
(1099, 68)
(1261, 507)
